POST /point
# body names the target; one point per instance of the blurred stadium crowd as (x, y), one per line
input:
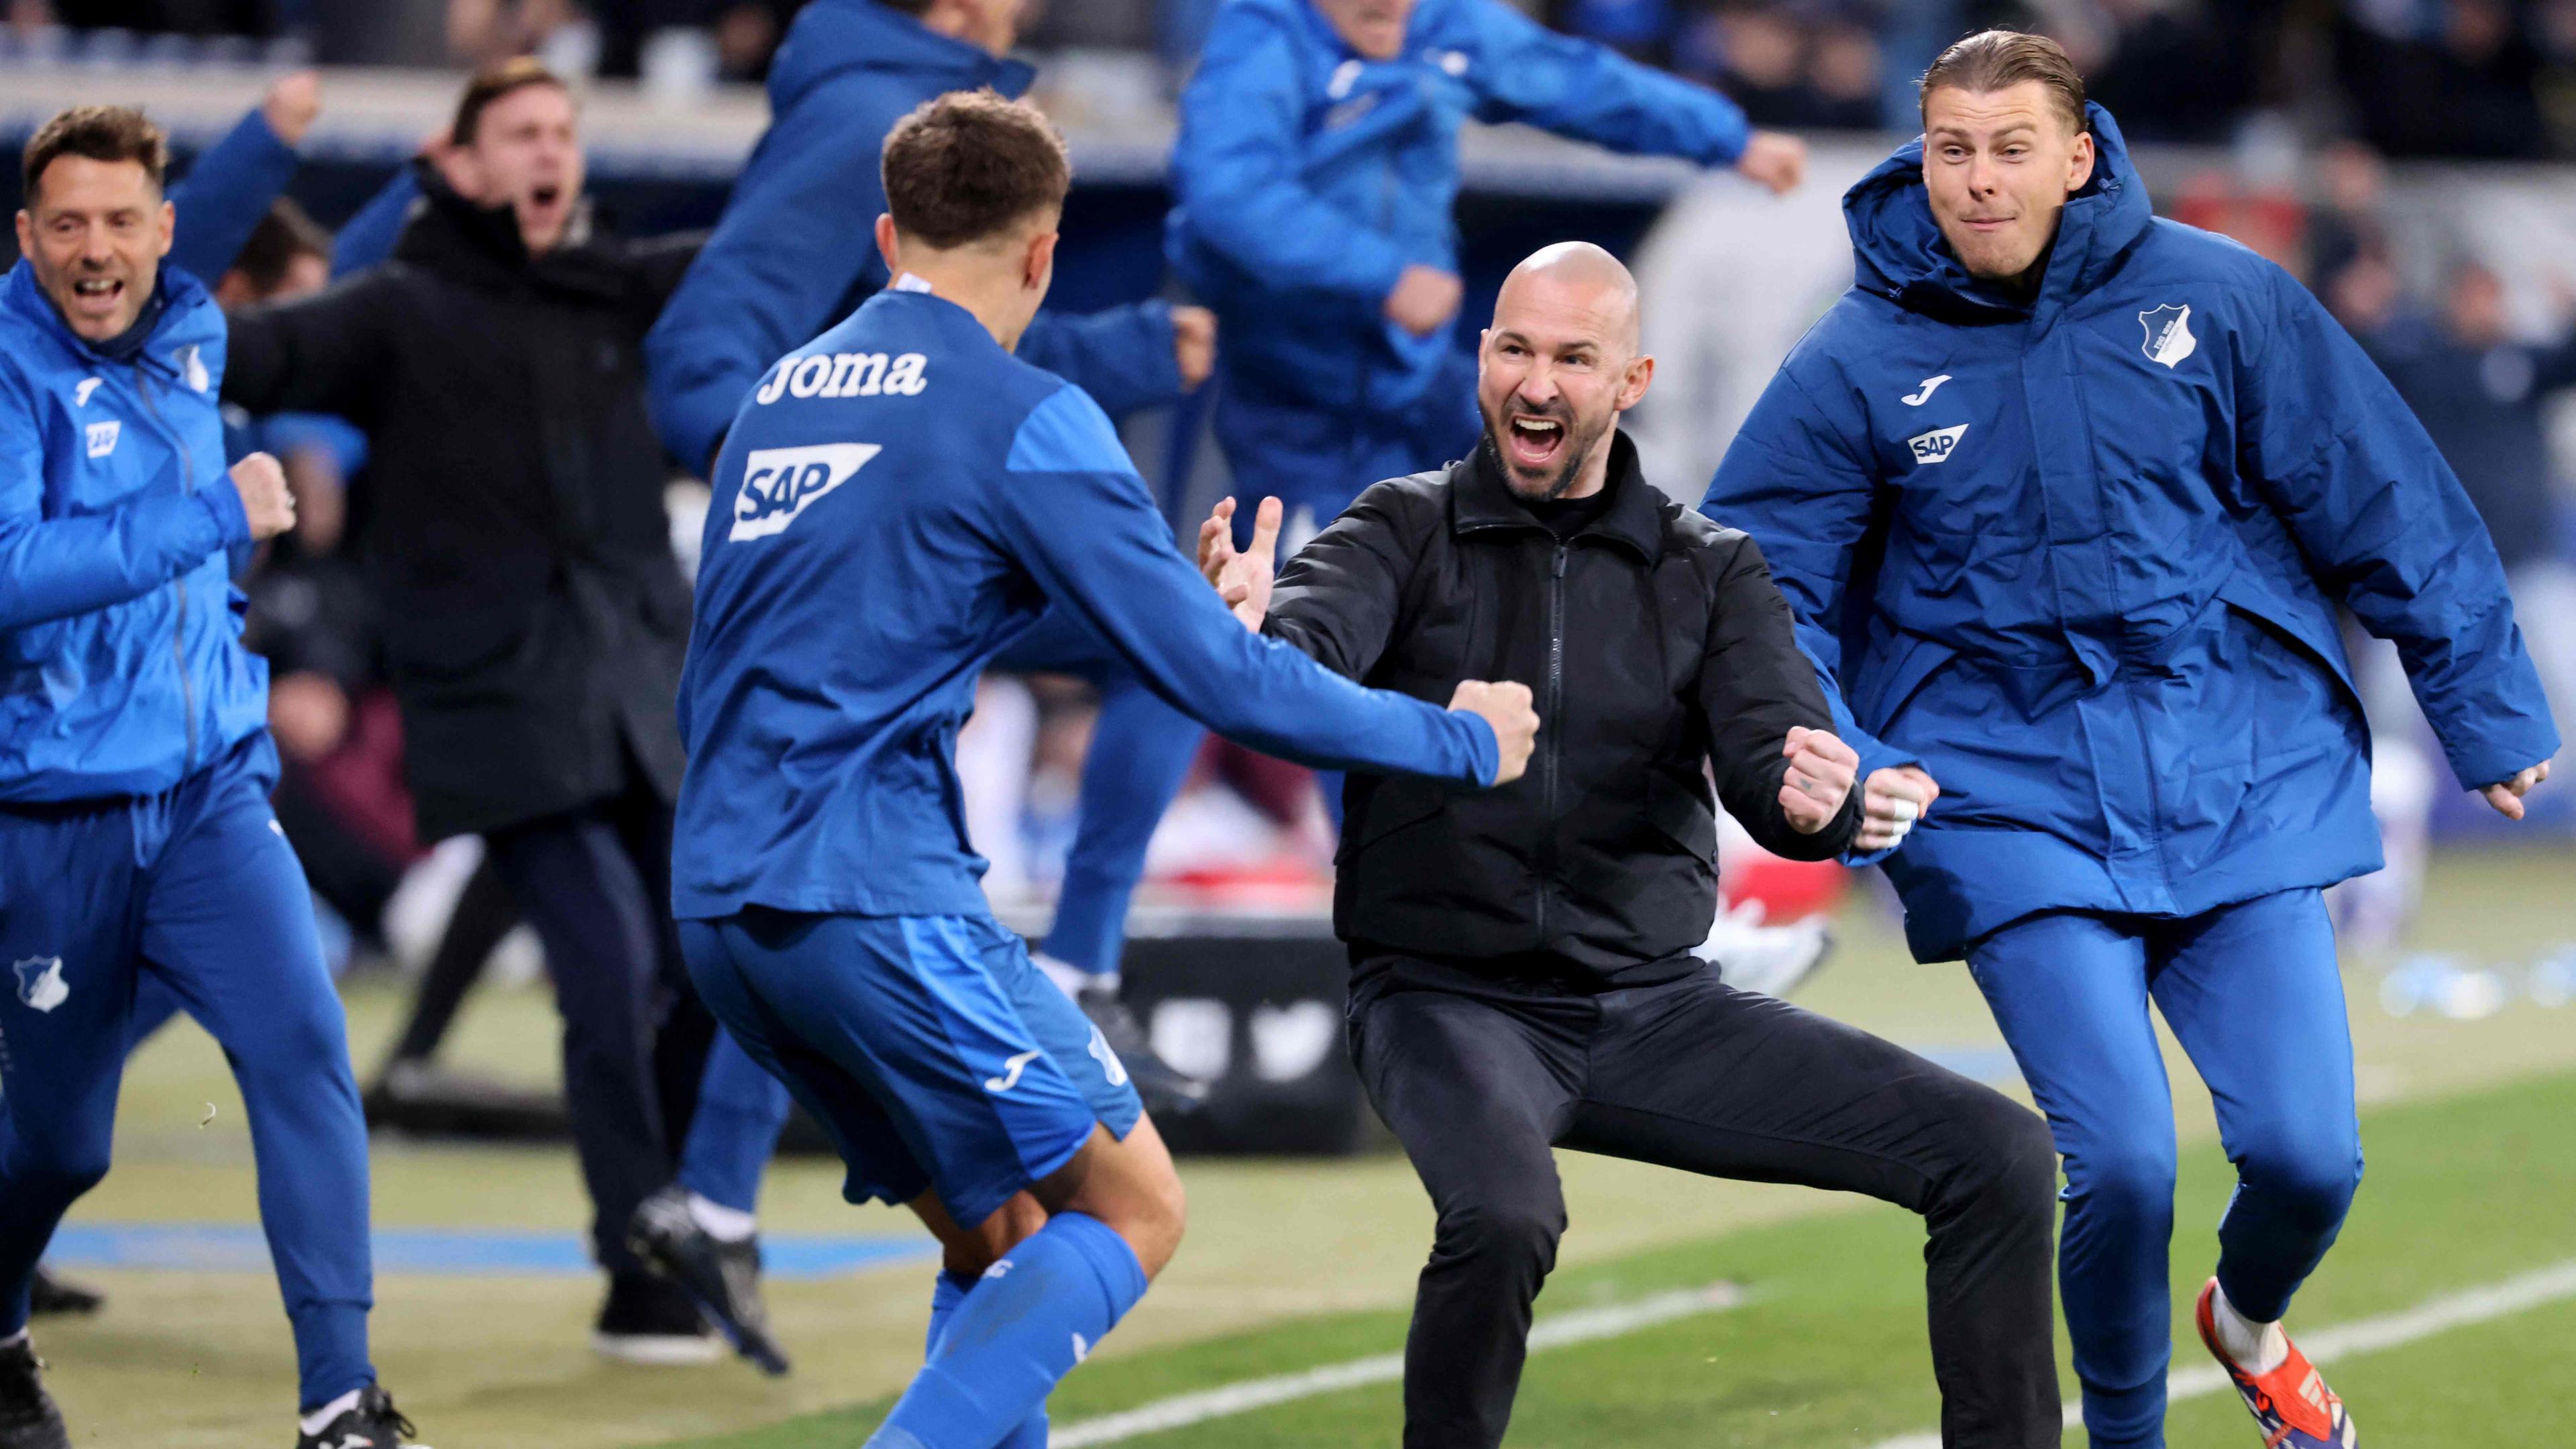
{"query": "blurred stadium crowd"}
(2484, 78)
(2287, 118)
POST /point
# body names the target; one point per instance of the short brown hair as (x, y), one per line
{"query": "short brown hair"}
(1993, 60)
(490, 84)
(969, 164)
(286, 233)
(100, 133)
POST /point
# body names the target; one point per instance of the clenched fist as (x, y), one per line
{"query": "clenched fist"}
(1821, 771)
(1193, 344)
(1505, 706)
(264, 497)
(1773, 161)
(1891, 800)
(1424, 299)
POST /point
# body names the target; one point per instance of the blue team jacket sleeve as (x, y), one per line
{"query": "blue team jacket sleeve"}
(225, 194)
(2387, 530)
(1122, 357)
(368, 237)
(1525, 72)
(1793, 481)
(793, 245)
(1234, 165)
(1079, 519)
(53, 568)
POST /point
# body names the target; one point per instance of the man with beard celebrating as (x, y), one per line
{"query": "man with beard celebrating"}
(1521, 969)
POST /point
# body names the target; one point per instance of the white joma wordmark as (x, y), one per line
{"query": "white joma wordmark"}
(2366, 1335)
(1010, 1076)
(778, 484)
(1931, 385)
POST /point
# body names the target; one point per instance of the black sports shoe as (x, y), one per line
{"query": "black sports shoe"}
(649, 1321)
(374, 1424)
(722, 1278)
(49, 1294)
(1167, 1091)
(28, 1418)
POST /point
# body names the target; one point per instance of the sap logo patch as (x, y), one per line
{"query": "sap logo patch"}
(102, 437)
(1936, 446)
(780, 483)
(2169, 338)
(40, 982)
(846, 374)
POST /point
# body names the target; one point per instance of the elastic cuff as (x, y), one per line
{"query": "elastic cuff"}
(223, 504)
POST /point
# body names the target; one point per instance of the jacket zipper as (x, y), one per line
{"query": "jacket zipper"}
(1548, 741)
(179, 632)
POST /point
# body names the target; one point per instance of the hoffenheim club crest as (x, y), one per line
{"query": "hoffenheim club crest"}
(40, 982)
(2169, 338)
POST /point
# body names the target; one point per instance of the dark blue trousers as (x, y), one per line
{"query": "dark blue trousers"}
(195, 890)
(2253, 994)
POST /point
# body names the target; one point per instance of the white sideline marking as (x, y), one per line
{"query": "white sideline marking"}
(2367, 1335)
(1555, 1331)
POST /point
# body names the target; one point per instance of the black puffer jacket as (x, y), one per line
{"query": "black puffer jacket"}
(533, 617)
(1655, 643)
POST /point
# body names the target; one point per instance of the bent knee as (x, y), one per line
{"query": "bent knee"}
(2130, 1179)
(56, 1173)
(2314, 1181)
(1518, 1229)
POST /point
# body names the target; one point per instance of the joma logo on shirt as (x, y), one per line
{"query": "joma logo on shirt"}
(1935, 446)
(780, 483)
(846, 374)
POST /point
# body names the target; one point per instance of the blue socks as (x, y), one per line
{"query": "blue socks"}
(998, 1346)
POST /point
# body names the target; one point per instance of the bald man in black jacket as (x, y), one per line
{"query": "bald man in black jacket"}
(1522, 977)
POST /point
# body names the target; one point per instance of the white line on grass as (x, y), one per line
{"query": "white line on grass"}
(1555, 1331)
(2367, 1335)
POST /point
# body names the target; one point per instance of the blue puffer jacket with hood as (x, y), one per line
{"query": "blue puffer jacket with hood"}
(2081, 558)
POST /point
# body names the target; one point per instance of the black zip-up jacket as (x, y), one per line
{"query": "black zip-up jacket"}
(513, 530)
(1655, 643)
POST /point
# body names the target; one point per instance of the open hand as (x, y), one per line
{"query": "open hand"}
(1505, 706)
(2507, 796)
(1891, 801)
(1241, 577)
(1821, 771)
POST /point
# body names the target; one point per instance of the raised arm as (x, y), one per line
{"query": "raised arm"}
(1525, 72)
(1124, 357)
(369, 236)
(1234, 167)
(231, 186)
(1083, 524)
(2387, 531)
(791, 248)
(53, 568)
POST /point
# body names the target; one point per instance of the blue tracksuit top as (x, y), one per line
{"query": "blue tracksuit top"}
(796, 248)
(897, 501)
(1307, 178)
(2081, 559)
(121, 666)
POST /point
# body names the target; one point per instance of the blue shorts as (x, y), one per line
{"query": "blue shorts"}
(937, 1056)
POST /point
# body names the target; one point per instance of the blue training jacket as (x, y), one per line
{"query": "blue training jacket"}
(2081, 559)
(796, 248)
(897, 502)
(121, 666)
(1307, 178)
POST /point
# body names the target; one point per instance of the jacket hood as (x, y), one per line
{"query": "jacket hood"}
(1899, 253)
(185, 306)
(833, 36)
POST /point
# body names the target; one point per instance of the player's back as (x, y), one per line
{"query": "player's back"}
(848, 595)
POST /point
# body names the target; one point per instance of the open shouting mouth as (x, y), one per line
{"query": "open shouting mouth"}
(1534, 441)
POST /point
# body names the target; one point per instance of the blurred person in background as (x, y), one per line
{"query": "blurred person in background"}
(787, 261)
(532, 615)
(2065, 497)
(137, 838)
(2484, 395)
